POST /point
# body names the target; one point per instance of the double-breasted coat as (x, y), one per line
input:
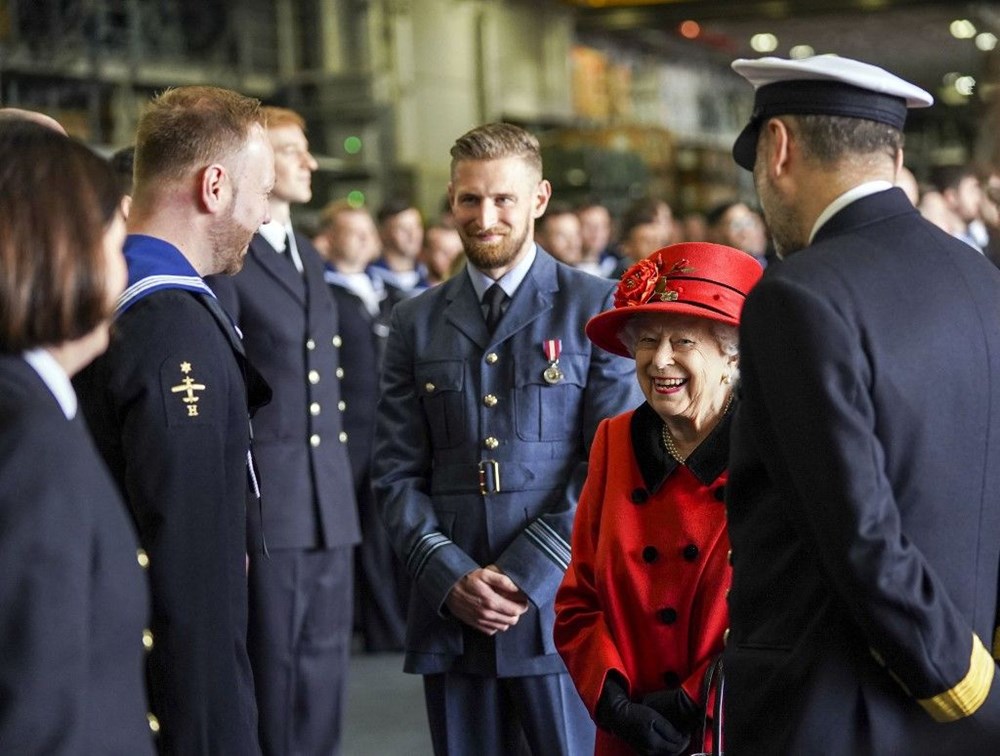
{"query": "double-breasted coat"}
(645, 592)
(479, 460)
(864, 495)
(75, 599)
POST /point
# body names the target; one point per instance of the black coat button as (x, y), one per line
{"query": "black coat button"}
(667, 616)
(671, 679)
(650, 554)
(720, 493)
(690, 552)
(640, 496)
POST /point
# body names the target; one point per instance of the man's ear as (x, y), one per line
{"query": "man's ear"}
(213, 188)
(543, 193)
(775, 144)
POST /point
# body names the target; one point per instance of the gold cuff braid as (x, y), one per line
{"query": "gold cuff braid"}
(968, 695)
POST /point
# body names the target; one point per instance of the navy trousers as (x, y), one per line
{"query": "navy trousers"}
(541, 715)
(299, 641)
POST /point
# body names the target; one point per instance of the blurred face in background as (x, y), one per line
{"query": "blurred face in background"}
(403, 233)
(442, 246)
(643, 240)
(293, 164)
(559, 235)
(353, 240)
(595, 231)
(742, 228)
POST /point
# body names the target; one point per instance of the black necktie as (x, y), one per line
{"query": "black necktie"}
(495, 299)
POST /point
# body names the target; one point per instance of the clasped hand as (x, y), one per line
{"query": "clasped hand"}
(487, 600)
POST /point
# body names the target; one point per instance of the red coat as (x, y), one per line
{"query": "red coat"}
(645, 592)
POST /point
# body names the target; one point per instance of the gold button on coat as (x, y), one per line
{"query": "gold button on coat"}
(147, 639)
(337, 341)
(341, 405)
(343, 437)
(314, 409)
(314, 439)
(340, 372)
(142, 558)
(492, 358)
(310, 345)
(489, 400)
(154, 723)
(491, 443)
(314, 377)
(429, 387)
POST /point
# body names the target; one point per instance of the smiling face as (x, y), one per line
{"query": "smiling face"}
(293, 164)
(495, 204)
(681, 367)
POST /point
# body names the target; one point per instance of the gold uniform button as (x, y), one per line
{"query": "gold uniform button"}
(489, 400)
(492, 358)
(314, 409)
(429, 387)
(314, 440)
(337, 341)
(314, 377)
(310, 345)
(729, 556)
(142, 558)
(342, 405)
(725, 637)
(343, 437)
(340, 372)
(154, 723)
(147, 639)
(491, 443)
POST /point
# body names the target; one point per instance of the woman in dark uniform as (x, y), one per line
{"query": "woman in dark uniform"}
(73, 597)
(641, 611)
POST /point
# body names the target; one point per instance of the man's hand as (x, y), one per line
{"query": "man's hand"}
(487, 600)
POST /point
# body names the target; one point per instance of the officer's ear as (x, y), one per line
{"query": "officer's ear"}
(214, 188)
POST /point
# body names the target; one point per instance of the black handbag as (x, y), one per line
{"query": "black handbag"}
(715, 679)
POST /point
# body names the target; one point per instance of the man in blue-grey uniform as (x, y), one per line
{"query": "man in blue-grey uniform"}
(491, 395)
(864, 480)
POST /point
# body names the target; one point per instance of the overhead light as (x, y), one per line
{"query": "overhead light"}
(690, 29)
(965, 85)
(986, 41)
(801, 51)
(764, 42)
(962, 28)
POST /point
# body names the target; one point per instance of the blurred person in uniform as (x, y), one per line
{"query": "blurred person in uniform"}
(736, 225)
(74, 596)
(869, 367)
(962, 195)
(441, 247)
(363, 308)
(491, 395)
(168, 406)
(597, 254)
(643, 232)
(558, 233)
(641, 612)
(401, 230)
(301, 593)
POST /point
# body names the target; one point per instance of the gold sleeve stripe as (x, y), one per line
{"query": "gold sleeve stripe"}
(996, 644)
(966, 697)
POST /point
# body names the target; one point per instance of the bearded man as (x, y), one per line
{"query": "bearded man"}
(168, 407)
(491, 395)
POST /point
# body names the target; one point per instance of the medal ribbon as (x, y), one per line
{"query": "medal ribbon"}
(552, 349)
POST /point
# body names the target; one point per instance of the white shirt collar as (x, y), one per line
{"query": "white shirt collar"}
(53, 375)
(845, 199)
(509, 281)
(275, 233)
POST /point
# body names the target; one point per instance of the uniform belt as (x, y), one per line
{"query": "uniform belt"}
(492, 476)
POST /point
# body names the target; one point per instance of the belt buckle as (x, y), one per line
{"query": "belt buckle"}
(489, 477)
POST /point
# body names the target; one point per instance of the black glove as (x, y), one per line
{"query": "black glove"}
(647, 731)
(676, 706)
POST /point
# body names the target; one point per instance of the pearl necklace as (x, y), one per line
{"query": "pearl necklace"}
(668, 440)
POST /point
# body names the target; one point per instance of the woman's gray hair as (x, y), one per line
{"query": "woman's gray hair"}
(727, 336)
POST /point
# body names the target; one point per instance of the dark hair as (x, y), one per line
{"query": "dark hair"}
(554, 209)
(830, 139)
(57, 198)
(944, 177)
(123, 163)
(188, 128)
(494, 141)
(391, 207)
(714, 215)
(639, 213)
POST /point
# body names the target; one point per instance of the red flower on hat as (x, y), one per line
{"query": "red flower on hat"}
(637, 284)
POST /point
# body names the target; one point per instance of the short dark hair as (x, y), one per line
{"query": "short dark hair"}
(494, 141)
(944, 177)
(714, 215)
(830, 139)
(393, 206)
(639, 213)
(187, 128)
(554, 209)
(57, 198)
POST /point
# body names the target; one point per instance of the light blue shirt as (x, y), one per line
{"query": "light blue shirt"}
(509, 281)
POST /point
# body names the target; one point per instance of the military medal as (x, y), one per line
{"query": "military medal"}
(552, 349)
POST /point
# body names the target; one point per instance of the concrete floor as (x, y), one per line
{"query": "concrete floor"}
(385, 709)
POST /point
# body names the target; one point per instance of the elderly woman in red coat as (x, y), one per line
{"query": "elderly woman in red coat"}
(641, 612)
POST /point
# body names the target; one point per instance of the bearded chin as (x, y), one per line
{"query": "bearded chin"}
(494, 255)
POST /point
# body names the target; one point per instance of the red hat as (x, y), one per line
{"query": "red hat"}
(697, 279)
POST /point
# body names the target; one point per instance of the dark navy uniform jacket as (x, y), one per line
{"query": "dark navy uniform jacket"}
(182, 468)
(291, 334)
(73, 596)
(479, 460)
(864, 495)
